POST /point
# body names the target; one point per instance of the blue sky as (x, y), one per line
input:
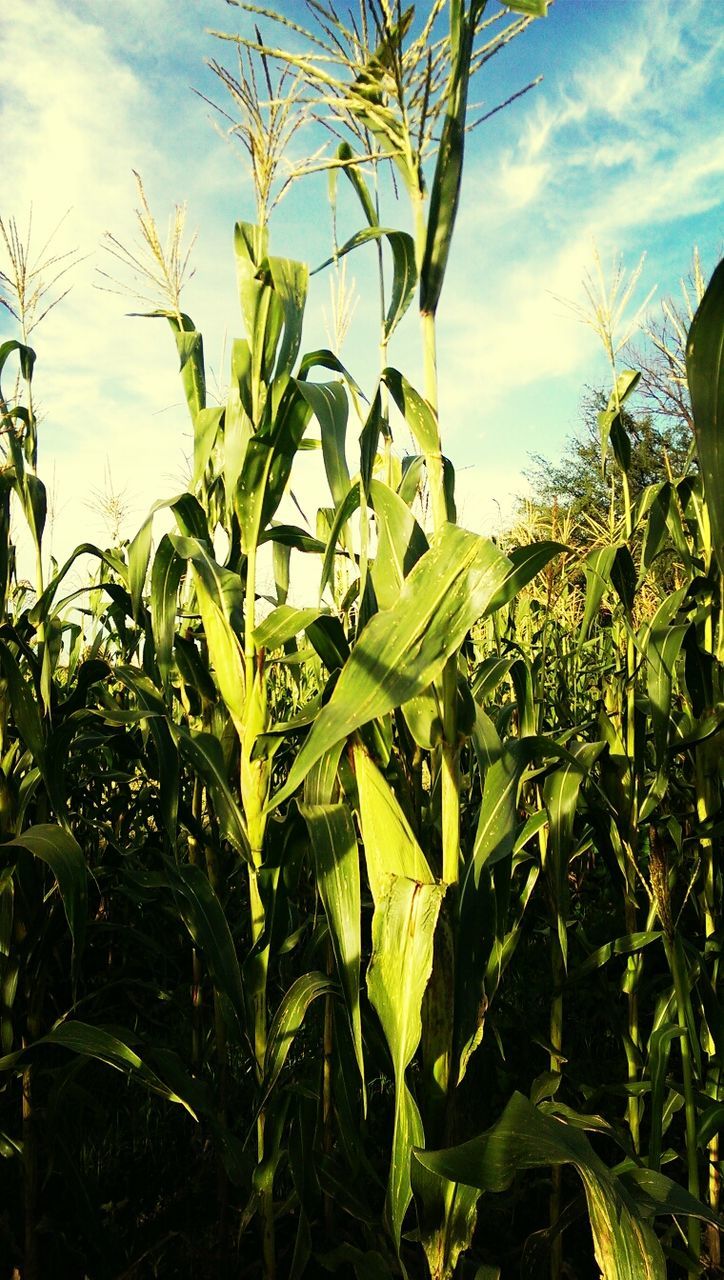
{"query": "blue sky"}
(620, 144)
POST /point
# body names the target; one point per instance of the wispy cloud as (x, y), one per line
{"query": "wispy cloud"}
(77, 117)
(624, 152)
(623, 145)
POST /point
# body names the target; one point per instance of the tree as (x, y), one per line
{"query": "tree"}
(576, 482)
(661, 360)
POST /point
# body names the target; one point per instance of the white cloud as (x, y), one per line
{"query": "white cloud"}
(520, 183)
(612, 87)
(623, 146)
(618, 148)
(76, 119)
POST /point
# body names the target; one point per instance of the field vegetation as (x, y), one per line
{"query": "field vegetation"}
(377, 936)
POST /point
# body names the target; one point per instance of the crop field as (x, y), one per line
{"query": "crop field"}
(370, 928)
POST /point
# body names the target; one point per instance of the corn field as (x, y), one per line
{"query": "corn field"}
(375, 937)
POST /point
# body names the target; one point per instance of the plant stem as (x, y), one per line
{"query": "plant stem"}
(196, 970)
(253, 805)
(633, 1043)
(30, 1179)
(675, 957)
(706, 769)
(327, 1112)
(556, 1039)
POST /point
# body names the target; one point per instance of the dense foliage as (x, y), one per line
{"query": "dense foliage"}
(380, 936)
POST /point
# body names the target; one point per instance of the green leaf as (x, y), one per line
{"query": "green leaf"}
(705, 374)
(416, 411)
(60, 851)
(525, 562)
(353, 171)
(191, 521)
(659, 1049)
(96, 1042)
(261, 306)
(291, 283)
(525, 1137)
(404, 276)
(329, 404)
(446, 1213)
(149, 699)
(290, 535)
(205, 754)
(389, 844)
(628, 944)
(403, 649)
(26, 357)
(346, 509)
(41, 610)
(166, 574)
(662, 647)
(498, 819)
(597, 567)
(206, 921)
(24, 705)
(657, 1196)
(268, 460)
(532, 8)
(283, 624)
(334, 842)
(288, 1020)
(400, 543)
(403, 928)
(560, 792)
(190, 347)
(623, 577)
(206, 431)
(423, 717)
(220, 594)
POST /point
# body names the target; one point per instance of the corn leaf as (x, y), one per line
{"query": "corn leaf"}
(389, 844)
(60, 851)
(220, 594)
(334, 842)
(404, 275)
(283, 624)
(597, 566)
(288, 1020)
(291, 283)
(104, 1046)
(204, 753)
(166, 574)
(206, 432)
(403, 928)
(329, 404)
(524, 1137)
(400, 543)
(205, 919)
(705, 374)
(526, 562)
(560, 793)
(149, 699)
(403, 649)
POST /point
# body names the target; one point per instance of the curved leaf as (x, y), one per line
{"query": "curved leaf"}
(334, 842)
(206, 921)
(403, 649)
(403, 928)
(60, 851)
(104, 1046)
(705, 374)
(525, 1137)
(404, 278)
(288, 1020)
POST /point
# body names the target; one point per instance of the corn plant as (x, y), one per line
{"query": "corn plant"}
(298, 869)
